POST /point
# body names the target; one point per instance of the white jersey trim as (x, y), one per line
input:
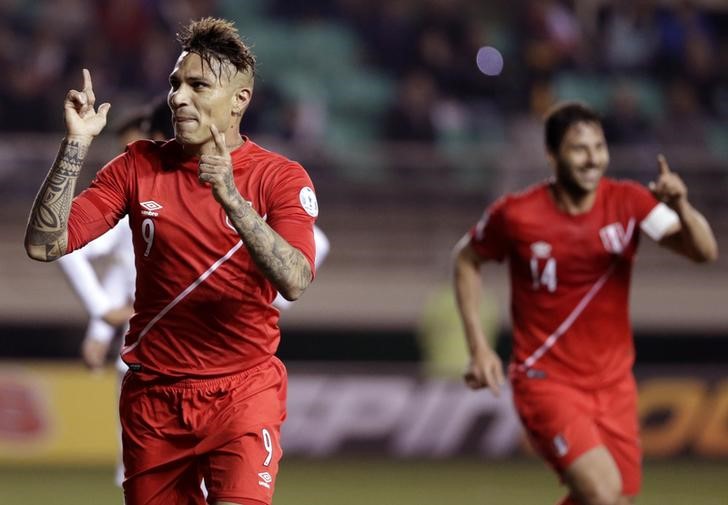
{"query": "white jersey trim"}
(568, 322)
(181, 296)
(658, 221)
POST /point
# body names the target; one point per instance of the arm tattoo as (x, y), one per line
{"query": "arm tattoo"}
(49, 216)
(284, 265)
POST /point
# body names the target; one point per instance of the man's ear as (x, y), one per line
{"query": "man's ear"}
(241, 100)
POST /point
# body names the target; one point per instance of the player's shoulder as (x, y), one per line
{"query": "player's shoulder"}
(145, 152)
(146, 147)
(624, 187)
(524, 198)
(270, 159)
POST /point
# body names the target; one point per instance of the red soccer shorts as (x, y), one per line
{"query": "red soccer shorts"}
(564, 422)
(225, 430)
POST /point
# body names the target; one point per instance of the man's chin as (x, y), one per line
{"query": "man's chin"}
(186, 139)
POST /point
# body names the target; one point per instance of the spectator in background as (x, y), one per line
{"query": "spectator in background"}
(628, 35)
(682, 108)
(624, 122)
(552, 37)
(409, 118)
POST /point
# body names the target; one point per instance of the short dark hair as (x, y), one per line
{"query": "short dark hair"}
(218, 40)
(560, 117)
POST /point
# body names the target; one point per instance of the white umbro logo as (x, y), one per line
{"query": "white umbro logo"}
(265, 479)
(561, 445)
(150, 206)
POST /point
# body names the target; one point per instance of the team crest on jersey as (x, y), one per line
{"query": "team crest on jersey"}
(308, 201)
(615, 238)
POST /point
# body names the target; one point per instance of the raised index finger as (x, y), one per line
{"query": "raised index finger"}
(662, 165)
(88, 86)
(219, 139)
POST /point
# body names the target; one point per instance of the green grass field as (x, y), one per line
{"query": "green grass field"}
(373, 481)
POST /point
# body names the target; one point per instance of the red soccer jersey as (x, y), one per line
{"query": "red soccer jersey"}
(570, 278)
(202, 307)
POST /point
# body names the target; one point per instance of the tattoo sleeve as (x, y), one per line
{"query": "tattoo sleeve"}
(46, 236)
(284, 265)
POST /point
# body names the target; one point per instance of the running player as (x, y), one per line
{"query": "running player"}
(570, 243)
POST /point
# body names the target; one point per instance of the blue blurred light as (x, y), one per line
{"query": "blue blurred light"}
(489, 60)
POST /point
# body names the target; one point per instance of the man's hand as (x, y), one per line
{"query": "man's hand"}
(669, 187)
(118, 316)
(216, 169)
(485, 370)
(82, 121)
(94, 352)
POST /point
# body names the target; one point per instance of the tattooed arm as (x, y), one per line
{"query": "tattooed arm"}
(46, 236)
(284, 265)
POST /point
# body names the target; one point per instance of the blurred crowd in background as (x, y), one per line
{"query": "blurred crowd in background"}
(409, 65)
(396, 91)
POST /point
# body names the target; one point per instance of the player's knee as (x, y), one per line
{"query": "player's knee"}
(602, 492)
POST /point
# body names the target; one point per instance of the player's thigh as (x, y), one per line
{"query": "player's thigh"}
(594, 478)
(242, 453)
(559, 421)
(619, 429)
(244, 470)
(178, 484)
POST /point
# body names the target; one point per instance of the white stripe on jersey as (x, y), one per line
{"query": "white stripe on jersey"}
(181, 296)
(658, 221)
(564, 326)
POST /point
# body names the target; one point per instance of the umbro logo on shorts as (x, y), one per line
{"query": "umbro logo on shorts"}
(265, 479)
(561, 445)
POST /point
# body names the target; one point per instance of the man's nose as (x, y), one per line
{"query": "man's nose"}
(177, 98)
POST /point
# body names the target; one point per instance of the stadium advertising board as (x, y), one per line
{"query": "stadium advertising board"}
(62, 414)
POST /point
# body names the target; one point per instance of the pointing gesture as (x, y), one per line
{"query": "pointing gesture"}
(668, 187)
(216, 168)
(79, 114)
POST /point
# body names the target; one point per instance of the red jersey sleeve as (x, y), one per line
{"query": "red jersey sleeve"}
(293, 208)
(99, 207)
(489, 237)
(640, 198)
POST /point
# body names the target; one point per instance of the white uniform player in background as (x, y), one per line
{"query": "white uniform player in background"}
(107, 295)
(107, 298)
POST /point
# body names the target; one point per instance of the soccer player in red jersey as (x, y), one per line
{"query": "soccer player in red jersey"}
(219, 225)
(570, 243)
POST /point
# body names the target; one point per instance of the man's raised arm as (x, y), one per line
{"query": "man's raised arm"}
(284, 265)
(692, 237)
(46, 236)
